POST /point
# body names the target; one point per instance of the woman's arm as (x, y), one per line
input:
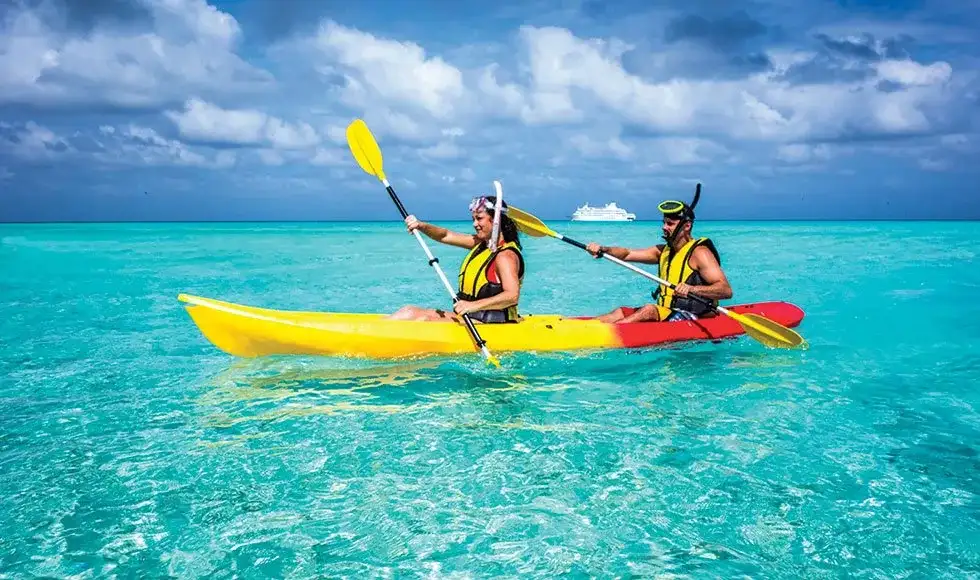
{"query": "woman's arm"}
(441, 234)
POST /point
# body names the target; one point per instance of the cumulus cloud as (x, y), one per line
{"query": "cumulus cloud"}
(133, 144)
(32, 142)
(803, 152)
(189, 47)
(127, 145)
(563, 79)
(707, 94)
(392, 70)
(208, 123)
(587, 73)
(602, 147)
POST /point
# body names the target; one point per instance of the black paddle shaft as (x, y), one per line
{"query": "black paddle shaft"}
(579, 244)
(398, 202)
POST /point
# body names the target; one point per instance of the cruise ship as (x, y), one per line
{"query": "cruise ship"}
(607, 213)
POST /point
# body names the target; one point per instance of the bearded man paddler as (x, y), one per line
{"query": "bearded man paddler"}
(692, 264)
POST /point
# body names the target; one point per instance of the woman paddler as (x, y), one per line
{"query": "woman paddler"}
(491, 275)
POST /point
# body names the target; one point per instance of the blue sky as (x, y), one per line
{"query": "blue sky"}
(235, 110)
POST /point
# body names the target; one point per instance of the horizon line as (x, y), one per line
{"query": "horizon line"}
(568, 220)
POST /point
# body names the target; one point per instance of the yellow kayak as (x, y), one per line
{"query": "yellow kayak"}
(248, 331)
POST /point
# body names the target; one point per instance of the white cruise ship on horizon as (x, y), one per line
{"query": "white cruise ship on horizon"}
(607, 213)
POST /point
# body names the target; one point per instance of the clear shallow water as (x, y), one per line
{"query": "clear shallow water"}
(130, 446)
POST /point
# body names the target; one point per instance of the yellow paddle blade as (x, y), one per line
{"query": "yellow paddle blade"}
(365, 148)
(768, 332)
(529, 224)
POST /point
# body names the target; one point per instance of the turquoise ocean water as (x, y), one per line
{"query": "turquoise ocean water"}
(131, 447)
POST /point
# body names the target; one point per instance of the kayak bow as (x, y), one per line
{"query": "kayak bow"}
(248, 331)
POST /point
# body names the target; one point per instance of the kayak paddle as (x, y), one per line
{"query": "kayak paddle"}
(368, 155)
(768, 332)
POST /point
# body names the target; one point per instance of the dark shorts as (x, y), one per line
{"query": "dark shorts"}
(671, 314)
(482, 316)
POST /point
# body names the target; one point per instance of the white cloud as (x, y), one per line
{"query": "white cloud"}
(543, 105)
(648, 153)
(569, 75)
(589, 147)
(189, 48)
(398, 72)
(563, 79)
(204, 22)
(690, 150)
(336, 134)
(508, 98)
(270, 157)
(441, 150)
(416, 101)
(329, 157)
(206, 122)
(397, 124)
(32, 142)
(136, 144)
(909, 72)
(130, 144)
(954, 140)
(802, 153)
(934, 164)
(561, 63)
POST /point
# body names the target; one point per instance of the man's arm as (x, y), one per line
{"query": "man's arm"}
(649, 255)
(705, 263)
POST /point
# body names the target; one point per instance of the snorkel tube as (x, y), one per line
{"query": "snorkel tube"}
(495, 232)
(694, 202)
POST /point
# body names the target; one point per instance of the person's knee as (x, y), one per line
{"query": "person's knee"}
(645, 313)
(652, 314)
(612, 315)
(407, 312)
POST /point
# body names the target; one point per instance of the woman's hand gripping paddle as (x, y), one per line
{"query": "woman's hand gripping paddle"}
(368, 155)
(768, 332)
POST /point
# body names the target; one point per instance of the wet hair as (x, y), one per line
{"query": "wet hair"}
(507, 226)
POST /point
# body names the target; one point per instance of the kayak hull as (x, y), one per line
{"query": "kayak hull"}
(248, 331)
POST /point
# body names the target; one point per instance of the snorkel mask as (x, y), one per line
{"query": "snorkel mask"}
(484, 203)
(680, 211)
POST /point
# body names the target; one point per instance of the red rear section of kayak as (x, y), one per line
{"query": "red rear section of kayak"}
(640, 334)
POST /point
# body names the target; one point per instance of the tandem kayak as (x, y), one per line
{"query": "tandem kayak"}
(248, 331)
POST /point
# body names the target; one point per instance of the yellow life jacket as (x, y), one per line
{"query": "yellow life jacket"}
(474, 284)
(675, 269)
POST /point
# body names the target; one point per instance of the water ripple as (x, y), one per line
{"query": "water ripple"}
(130, 447)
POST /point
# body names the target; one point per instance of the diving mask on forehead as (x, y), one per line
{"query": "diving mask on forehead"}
(484, 202)
(678, 209)
(478, 203)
